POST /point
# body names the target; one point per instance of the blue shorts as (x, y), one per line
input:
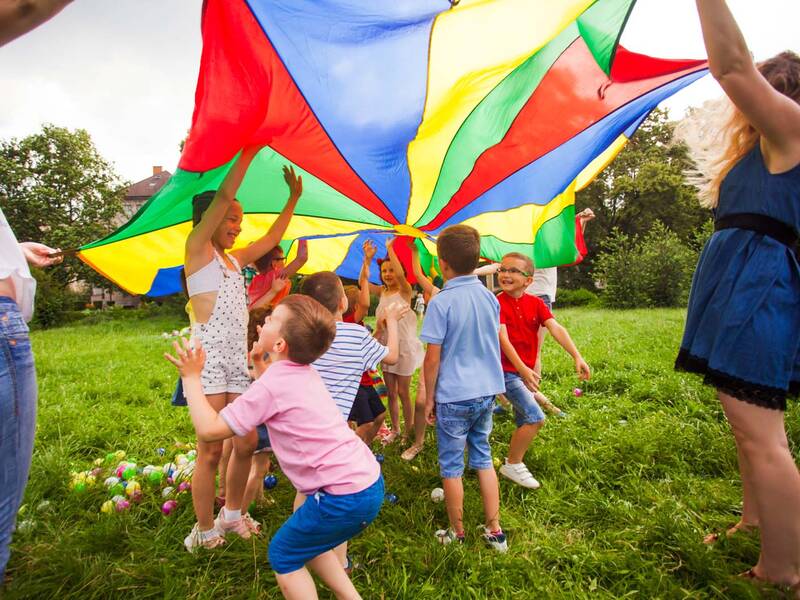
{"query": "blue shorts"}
(526, 409)
(547, 301)
(462, 425)
(323, 522)
(263, 439)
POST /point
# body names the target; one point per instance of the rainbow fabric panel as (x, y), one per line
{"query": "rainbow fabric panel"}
(403, 118)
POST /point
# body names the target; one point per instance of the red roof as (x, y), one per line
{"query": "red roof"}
(147, 187)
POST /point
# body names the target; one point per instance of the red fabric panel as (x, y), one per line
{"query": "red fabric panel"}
(574, 94)
(246, 96)
(630, 66)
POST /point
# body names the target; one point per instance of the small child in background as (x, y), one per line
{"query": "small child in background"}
(521, 316)
(272, 284)
(462, 377)
(317, 451)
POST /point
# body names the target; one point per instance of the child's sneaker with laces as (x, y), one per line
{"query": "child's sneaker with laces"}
(244, 526)
(203, 539)
(519, 474)
(496, 539)
(447, 536)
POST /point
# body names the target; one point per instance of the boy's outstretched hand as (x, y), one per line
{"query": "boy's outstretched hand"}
(531, 380)
(191, 357)
(396, 311)
(369, 250)
(294, 181)
(583, 370)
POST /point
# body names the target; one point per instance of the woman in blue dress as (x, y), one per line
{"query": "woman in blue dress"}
(743, 324)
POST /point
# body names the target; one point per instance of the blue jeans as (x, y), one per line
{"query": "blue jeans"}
(323, 522)
(17, 418)
(526, 409)
(462, 425)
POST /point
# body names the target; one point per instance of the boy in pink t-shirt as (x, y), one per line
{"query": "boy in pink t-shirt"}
(317, 451)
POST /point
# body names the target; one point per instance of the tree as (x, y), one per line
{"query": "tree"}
(644, 184)
(55, 188)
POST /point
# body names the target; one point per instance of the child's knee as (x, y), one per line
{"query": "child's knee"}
(209, 454)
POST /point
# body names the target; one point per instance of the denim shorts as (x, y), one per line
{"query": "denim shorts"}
(526, 409)
(264, 444)
(323, 522)
(462, 425)
(17, 418)
(547, 300)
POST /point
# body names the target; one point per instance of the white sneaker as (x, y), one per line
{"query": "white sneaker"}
(519, 474)
(196, 539)
(496, 541)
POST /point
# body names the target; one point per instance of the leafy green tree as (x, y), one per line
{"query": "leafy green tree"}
(644, 184)
(55, 188)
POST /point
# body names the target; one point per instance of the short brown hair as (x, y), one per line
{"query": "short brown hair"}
(460, 247)
(310, 330)
(256, 320)
(264, 262)
(351, 292)
(325, 288)
(526, 259)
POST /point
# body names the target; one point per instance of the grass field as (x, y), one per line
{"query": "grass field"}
(643, 466)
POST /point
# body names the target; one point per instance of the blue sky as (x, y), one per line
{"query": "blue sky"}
(125, 70)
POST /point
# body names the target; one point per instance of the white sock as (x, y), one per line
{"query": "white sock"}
(210, 534)
(232, 515)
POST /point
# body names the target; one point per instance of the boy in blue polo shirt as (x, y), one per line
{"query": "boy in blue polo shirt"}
(462, 376)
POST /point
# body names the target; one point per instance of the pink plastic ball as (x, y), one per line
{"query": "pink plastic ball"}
(120, 470)
(168, 507)
(184, 486)
(123, 505)
(578, 392)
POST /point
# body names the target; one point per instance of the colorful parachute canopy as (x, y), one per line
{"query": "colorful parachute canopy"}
(403, 118)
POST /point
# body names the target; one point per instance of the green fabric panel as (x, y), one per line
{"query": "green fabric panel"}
(426, 259)
(554, 245)
(601, 26)
(262, 191)
(489, 122)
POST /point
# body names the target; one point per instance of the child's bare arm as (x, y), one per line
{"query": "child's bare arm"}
(529, 378)
(422, 279)
(397, 267)
(302, 258)
(210, 427)
(393, 313)
(565, 341)
(362, 305)
(433, 356)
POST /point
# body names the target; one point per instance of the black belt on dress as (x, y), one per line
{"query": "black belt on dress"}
(777, 230)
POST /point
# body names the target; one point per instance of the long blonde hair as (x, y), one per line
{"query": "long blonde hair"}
(719, 124)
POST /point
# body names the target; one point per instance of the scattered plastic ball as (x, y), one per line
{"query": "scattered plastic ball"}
(191, 454)
(161, 451)
(120, 470)
(129, 473)
(110, 457)
(96, 472)
(168, 468)
(116, 489)
(270, 481)
(155, 477)
(108, 507)
(379, 458)
(44, 506)
(184, 486)
(170, 480)
(168, 507)
(133, 488)
(392, 498)
(167, 491)
(149, 469)
(437, 494)
(98, 462)
(119, 454)
(181, 460)
(79, 487)
(496, 462)
(26, 527)
(578, 392)
(122, 505)
(90, 480)
(117, 498)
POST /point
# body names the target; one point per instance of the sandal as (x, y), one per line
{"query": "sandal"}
(791, 591)
(390, 438)
(411, 452)
(730, 531)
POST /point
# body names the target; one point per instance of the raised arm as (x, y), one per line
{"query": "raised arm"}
(490, 269)
(18, 17)
(775, 116)
(302, 257)
(397, 267)
(363, 302)
(200, 236)
(565, 341)
(273, 237)
(208, 425)
(422, 279)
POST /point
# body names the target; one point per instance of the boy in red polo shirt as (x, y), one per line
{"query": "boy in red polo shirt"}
(521, 315)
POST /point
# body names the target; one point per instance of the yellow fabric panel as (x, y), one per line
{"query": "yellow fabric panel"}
(120, 257)
(326, 254)
(520, 225)
(594, 168)
(473, 47)
(256, 225)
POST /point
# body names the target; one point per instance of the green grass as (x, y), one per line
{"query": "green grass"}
(641, 469)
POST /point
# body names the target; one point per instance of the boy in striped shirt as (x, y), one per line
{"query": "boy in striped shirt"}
(353, 350)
